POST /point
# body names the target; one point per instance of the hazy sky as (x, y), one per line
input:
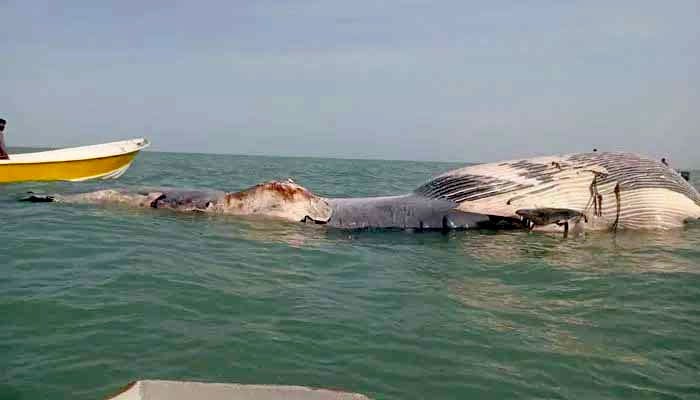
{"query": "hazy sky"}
(424, 80)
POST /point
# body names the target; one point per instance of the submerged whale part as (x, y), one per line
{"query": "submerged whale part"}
(402, 212)
(283, 200)
(587, 191)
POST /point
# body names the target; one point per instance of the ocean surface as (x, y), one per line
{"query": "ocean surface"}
(94, 297)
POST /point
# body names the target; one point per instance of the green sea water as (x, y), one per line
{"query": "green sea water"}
(94, 297)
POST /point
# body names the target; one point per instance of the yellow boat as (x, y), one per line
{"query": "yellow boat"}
(101, 161)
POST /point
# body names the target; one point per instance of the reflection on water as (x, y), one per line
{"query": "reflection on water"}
(550, 291)
(654, 251)
(625, 251)
(268, 231)
(544, 323)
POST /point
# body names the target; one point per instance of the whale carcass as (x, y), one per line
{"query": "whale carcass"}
(575, 192)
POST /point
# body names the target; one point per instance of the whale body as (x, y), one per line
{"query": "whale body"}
(602, 191)
(577, 192)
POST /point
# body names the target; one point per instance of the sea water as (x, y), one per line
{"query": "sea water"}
(94, 297)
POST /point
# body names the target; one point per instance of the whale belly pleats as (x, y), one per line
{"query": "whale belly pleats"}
(615, 190)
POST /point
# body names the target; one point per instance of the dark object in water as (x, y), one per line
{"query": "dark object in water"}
(546, 216)
(685, 175)
(38, 199)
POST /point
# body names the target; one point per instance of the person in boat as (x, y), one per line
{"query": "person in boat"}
(3, 151)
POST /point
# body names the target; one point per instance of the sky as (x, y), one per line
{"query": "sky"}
(415, 80)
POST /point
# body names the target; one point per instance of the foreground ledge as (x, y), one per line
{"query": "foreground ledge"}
(177, 390)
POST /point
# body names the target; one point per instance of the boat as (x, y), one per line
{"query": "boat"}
(181, 390)
(100, 161)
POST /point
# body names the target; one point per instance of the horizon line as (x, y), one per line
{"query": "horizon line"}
(261, 155)
(150, 150)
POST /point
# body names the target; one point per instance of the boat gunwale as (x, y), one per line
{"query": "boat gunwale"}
(73, 160)
(138, 145)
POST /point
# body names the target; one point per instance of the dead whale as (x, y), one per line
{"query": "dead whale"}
(575, 192)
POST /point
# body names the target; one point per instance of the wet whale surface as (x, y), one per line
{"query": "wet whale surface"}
(401, 212)
(195, 200)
